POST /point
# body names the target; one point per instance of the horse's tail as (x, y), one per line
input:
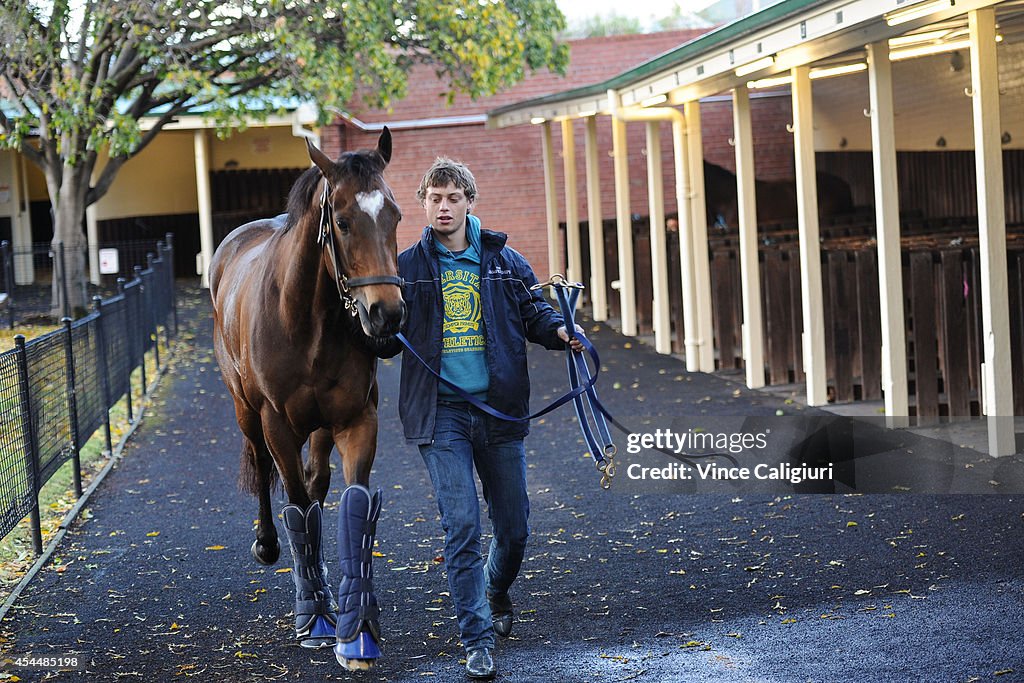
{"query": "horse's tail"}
(253, 469)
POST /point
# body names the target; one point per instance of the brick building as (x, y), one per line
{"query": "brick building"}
(505, 162)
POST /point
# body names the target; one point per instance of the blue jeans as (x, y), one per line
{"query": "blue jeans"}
(460, 442)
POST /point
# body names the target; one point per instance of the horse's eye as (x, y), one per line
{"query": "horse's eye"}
(342, 225)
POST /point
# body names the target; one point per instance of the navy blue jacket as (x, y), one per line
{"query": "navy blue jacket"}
(512, 314)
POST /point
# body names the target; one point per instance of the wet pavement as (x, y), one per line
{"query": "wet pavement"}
(666, 581)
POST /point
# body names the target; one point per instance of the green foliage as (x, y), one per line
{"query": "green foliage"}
(680, 18)
(609, 25)
(85, 75)
(614, 24)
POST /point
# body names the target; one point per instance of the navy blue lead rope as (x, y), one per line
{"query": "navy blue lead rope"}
(579, 374)
(602, 416)
(581, 383)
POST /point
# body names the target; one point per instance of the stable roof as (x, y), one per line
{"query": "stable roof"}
(783, 36)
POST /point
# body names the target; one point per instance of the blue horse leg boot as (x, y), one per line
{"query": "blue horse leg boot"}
(315, 609)
(358, 634)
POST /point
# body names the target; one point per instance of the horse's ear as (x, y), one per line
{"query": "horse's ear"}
(321, 160)
(384, 145)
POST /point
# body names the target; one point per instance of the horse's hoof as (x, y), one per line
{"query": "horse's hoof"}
(266, 554)
(356, 664)
(321, 633)
(360, 654)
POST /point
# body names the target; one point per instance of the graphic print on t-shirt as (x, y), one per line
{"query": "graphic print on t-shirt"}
(462, 323)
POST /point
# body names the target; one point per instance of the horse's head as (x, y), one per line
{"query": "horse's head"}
(720, 195)
(359, 217)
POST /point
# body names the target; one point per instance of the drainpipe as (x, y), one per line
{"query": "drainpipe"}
(694, 337)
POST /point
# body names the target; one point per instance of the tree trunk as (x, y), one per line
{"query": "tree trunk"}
(69, 273)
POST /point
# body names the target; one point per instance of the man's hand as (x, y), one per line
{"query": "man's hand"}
(574, 343)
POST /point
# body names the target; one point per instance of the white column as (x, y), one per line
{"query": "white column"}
(997, 370)
(810, 250)
(691, 335)
(887, 222)
(574, 269)
(92, 232)
(551, 202)
(750, 277)
(598, 296)
(624, 226)
(659, 260)
(205, 205)
(21, 228)
(699, 237)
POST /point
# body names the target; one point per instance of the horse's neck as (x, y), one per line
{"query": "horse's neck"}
(302, 277)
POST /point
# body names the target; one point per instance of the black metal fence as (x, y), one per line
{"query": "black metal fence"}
(57, 390)
(31, 274)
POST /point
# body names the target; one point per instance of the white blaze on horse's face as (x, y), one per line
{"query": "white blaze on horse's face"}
(371, 203)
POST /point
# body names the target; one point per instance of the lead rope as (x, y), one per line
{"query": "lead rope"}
(567, 294)
(604, 451)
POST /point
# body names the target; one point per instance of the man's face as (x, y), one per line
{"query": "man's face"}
(446, 209)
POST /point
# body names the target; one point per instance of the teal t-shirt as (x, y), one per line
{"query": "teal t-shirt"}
(463, 345)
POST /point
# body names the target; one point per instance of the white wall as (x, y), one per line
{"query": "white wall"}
(161, 180)
(9, 190)
(259, 148)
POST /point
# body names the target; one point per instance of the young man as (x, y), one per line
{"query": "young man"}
(470, 313)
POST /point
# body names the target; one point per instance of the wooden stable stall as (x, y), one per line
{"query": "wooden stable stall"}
(943, 311)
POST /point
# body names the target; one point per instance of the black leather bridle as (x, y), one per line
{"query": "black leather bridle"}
(345, 284)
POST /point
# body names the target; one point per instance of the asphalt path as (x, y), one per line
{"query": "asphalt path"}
(629, 584)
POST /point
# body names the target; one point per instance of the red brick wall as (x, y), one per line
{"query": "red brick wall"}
(773, 144)
(508, 163)
(591, 60)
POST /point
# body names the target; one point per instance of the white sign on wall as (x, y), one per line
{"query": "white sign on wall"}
(108, 262)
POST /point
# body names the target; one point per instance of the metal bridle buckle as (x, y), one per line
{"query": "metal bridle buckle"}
(606, 466)
(559, 280)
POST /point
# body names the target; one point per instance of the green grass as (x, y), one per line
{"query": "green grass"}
(30, 331)
(57, 496)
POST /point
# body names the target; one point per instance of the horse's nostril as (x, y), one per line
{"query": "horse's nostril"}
(387, 319)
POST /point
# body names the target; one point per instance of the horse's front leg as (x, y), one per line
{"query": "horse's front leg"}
(359, 642)
(318, 465)
(315, 608)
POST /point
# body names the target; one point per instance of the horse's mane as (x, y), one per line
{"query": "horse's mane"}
(717, 173)
(361, 167)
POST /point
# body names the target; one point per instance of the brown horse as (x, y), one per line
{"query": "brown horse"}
(299, 303)
(776, 199)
